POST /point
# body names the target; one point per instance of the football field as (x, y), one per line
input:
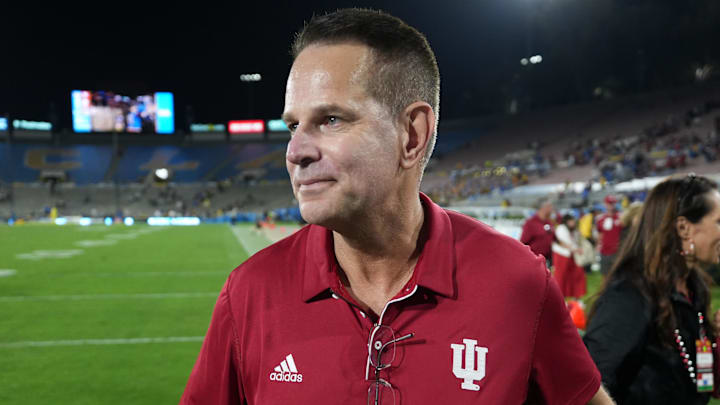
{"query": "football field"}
(114, 315)
(109, 315)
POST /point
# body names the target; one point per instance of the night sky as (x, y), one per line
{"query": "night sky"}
(199, 52)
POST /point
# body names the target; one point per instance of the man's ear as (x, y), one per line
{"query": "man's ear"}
(418, 128)
(683, 227)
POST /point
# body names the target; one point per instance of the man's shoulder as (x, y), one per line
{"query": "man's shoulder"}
(488, 260)
(482, 242)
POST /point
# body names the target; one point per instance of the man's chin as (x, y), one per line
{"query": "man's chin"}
(315, 212)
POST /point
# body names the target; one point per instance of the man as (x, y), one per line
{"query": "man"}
(538, 232)
(384, 298)
(609, 228)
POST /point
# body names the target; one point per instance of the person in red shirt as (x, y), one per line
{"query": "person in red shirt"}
(538, 232)
(385, 298)
(609, 228)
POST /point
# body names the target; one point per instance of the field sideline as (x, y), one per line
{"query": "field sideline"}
(106, 315)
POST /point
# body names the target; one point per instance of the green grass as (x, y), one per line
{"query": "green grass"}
(143, 260)
(164, 260)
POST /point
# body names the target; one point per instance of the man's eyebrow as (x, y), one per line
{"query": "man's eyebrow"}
(322, 110)
(325, 109)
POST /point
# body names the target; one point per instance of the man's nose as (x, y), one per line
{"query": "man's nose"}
(302, 149)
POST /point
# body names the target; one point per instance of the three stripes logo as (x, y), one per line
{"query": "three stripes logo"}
(286, 371)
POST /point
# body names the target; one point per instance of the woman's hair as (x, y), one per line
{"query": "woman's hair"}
(651, 257)
(567, 218)
(632, 212)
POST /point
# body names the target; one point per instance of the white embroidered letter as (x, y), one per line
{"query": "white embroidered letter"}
(473, 371)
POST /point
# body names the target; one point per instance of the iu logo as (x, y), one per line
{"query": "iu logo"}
(473, 370)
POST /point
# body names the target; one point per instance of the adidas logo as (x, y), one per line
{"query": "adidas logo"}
(286, 371)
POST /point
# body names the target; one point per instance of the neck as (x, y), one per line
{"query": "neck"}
(682, 288)
(378, 257)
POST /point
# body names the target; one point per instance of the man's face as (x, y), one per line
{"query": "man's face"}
(343, 157)
(545, 210)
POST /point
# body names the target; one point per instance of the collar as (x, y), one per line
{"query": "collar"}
(697, 288)
(434, 270)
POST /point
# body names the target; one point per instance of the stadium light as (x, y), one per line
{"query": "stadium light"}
(108, 221)
(534, 60)
(162, 174)
(251, 77)
(129, 221)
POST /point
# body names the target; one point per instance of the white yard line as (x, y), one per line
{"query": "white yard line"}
(27, 298)
(249, 239)
(85, 342)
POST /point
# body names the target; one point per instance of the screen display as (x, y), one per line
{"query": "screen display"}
(277, 126)
(246, 127)
(105, 111)
(3, 124)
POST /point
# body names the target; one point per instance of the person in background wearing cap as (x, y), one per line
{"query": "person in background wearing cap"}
(538, 232)
(609, 228)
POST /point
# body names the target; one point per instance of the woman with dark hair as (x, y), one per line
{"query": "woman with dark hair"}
(649, 331)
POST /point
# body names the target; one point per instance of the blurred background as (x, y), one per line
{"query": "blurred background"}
(142, 156)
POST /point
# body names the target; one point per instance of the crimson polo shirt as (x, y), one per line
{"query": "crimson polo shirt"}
(284, 330)
(610, 226)
(539, 235)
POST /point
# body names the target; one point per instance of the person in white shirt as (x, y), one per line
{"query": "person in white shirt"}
(569, 276)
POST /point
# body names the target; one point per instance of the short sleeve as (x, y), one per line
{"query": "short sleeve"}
(215, 379)
(562, 370)
(526, 236)
(618, 327)
(598, 223)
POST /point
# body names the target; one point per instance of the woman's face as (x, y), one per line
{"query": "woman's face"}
(706, 233)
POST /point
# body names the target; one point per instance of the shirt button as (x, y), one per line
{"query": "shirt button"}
(335, 296)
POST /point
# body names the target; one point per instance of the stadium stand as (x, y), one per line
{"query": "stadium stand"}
(605, 141)
(205, 180)
(484, 162)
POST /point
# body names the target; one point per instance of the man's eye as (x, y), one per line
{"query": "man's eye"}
(332, 120)
(292, 127)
